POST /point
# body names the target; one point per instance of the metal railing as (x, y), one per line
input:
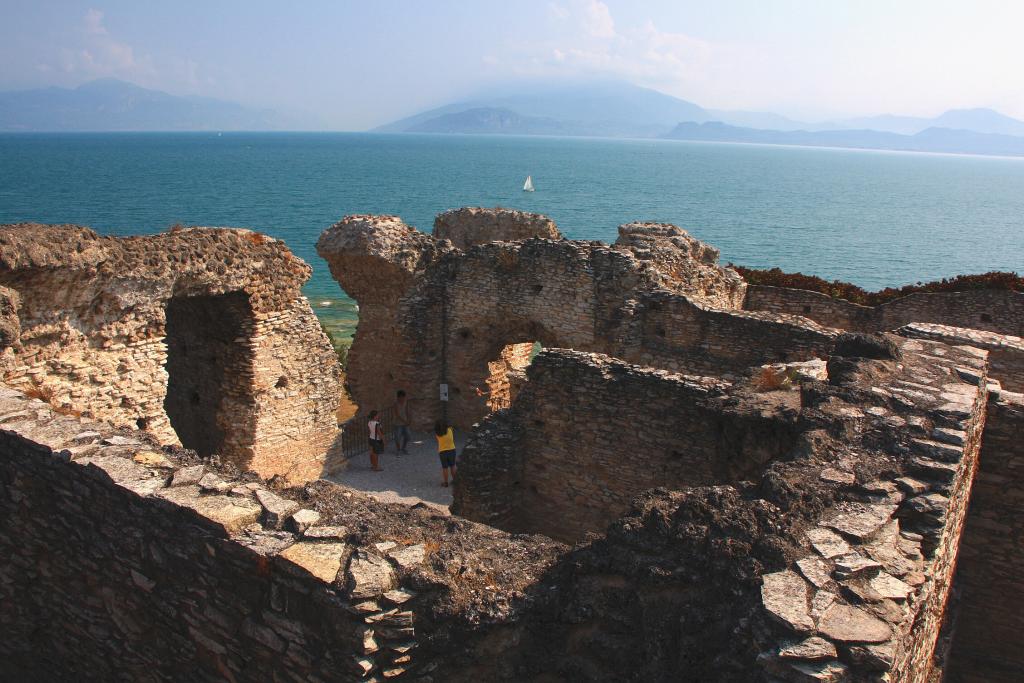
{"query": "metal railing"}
(355, 435)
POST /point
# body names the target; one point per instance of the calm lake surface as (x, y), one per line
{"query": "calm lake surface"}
(873, 218)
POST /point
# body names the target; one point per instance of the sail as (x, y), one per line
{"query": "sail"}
(528, 185)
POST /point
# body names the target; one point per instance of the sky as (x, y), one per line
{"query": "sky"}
(355, 64)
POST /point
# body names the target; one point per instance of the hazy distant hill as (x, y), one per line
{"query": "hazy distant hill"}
(929, 140)
(603, 109)
(976, 120)
(113, 105)
(617, 109)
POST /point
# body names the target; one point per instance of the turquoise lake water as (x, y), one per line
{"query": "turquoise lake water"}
(873, 218)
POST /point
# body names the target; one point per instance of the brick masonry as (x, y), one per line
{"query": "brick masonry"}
(261, 386)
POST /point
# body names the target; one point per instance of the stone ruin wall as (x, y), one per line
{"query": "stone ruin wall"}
(593, 433)
(986, 628)
(431, 313)
(261, 385)
(126, 561)
(996, 311)
(244, 583)
(862, 585)
(469, 226)
(813, 534)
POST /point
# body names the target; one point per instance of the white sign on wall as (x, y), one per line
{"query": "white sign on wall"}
(444, 392)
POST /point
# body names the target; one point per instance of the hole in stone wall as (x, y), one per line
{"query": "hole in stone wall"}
(507, 373)
(142, 423)
(807, 309)
(986, 318)
(282, 382)
(464, 333)
(537, 289)
(203, 362)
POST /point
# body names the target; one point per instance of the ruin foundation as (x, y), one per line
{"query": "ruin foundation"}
(675, 488)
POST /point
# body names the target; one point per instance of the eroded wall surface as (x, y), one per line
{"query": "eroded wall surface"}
(255, 379)
(828, 555)
(592, 433)
(431, 313)
(469, 226)
(991, 310)
(987, 627)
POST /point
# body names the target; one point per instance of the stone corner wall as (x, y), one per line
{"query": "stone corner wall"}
(998, 311)
(688, 265)
(987, 626)
(470, 226)
(200, 336)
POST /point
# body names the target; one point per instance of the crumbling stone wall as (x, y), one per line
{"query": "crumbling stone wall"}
(834, 564)
(444, 315)
(987, 627)
(92, 338)
(592, 433)
(1005, 352)
(998, 311)
(470, 226)
(124, 561)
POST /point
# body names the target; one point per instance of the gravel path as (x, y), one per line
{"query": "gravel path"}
(410, 479)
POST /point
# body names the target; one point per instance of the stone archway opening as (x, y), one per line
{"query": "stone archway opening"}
(208, 369)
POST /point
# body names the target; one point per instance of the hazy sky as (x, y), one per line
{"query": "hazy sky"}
(358, 64)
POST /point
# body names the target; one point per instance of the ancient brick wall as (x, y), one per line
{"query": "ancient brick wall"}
(1005, 352)
(126, 562)
(103, 321)
(677, 333)
(470, 226)
(992, 310)
(594, 433)
(987, 627)
(430, 313)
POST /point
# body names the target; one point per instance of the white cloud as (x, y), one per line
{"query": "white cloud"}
(93, 23)
(597, 19)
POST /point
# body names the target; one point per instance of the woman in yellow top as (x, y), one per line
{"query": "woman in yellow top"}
(445, 449)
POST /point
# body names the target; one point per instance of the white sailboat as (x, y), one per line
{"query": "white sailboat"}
(528, 185)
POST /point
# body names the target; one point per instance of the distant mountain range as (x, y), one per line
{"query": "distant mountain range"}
(599, 109)
(626, 110)
(113, 105)
(929, 140)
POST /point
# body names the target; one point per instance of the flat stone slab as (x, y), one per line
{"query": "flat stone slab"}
(815, 672)
(828, 543)
(784, 596)
(409, 556)
(326, 532)
(890, 587)
(851, 625)
(369, 576)
(278, 509)
(153, 459)
(812, 648)
(303, 519)
(231, 513)
(815, 570)
(187, 476)
(321, 559)
(862, 525)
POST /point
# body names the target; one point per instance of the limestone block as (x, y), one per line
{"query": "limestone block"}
(368, 576)
(321, 559)
(276, 509)
(784, 596)
(231, 513)
(848, 624)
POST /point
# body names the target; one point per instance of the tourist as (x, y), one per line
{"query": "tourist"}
(376, 436)
(445, 450)
(402, 421)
